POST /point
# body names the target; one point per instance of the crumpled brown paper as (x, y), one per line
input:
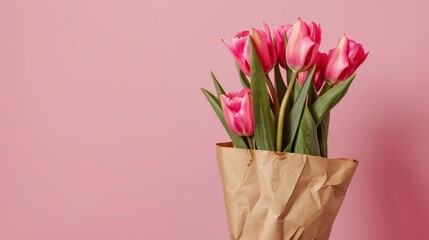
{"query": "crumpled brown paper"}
(281, 196)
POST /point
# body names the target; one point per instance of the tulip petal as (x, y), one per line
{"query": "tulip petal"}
(353, 67)
(311, 57)
(238, 126)
(244, 92)
(233, 94)
(279, 34)
(319, 76)
(229, 116)
(302, 76)
(302, 47)
(303, 55)
(246, 53)
(234, 104)
(358, 55)
(261, 42)
(216, 105)
(244, 124)
(315, 32)
(338, 61)
(271, 48)
(237, 48)
(245, 118)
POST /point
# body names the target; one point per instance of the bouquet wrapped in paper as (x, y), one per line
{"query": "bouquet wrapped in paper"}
(277, 178)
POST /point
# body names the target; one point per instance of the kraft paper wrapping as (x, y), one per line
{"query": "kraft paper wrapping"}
(277, 195)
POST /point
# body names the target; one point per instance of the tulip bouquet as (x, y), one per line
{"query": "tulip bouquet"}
(278, 182)
(279, 117)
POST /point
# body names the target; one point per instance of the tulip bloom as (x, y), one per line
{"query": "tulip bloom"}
(240, 49)
(344, 60)
(319, 74)
(279, 33)
(303, 45)
(238, 112)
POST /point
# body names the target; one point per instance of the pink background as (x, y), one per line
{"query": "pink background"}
(104, 133)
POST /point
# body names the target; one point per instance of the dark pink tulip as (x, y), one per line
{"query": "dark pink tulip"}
(238, 112)
(280, 42)
(303, 45)
(344, 60)
(319, 74)
(240, 49)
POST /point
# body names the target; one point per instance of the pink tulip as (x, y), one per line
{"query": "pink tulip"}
(344, 60)
(319, 73)
(240, 49)
(238, 112)
(280, 42)
(303, 45)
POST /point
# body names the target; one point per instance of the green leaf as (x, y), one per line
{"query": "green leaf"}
(323, 128)
(294, 117)
(264, 123)
(214, 102)
(243, 78)
(327, 101)
(279, 83)
(322, 134)
(306, 140)
(312, 94)
(296, 89)
(219, 89)
(288, 74)
(292, 97)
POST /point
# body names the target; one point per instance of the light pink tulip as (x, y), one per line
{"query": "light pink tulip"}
(280, 42)
(303, 45)
(238, 112)
(240, 49)
(319, 73)
(344, 60)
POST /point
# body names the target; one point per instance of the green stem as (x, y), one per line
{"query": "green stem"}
(273, 94)
(251, 143)
(283, 110)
